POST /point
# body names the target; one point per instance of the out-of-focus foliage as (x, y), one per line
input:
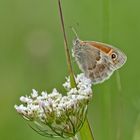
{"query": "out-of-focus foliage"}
(32, 56)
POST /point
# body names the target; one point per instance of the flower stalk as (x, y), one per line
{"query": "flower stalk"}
(86, 132)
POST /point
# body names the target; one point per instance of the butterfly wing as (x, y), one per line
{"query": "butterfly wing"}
(92, 62)
(83, 55)
(116, 57)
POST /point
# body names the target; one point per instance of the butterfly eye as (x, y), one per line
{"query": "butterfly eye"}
(113, 56)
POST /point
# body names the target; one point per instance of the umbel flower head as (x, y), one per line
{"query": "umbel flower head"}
(56, 115)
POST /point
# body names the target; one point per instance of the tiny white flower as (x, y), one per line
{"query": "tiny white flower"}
(34, 93)
(80, 97)
(44, 95)
(25, 99)
(72, 91)
(66, 85)
(21, 108)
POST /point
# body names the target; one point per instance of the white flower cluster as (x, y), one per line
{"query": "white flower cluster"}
(63, 115)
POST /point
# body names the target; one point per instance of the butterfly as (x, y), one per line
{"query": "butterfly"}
(97, 60)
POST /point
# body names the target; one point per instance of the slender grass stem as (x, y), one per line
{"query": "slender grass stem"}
(119, 135)
(72, 80)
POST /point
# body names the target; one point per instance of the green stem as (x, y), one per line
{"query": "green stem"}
(72, 79)
(86, 132)
(119, 135)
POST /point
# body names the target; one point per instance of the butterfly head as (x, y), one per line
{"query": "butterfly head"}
(76, 41)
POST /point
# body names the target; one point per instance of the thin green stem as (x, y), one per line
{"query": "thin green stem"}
(72, 79)
(119, 135)
(86, 132)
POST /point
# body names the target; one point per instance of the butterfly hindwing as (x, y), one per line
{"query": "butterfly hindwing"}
(95, 59)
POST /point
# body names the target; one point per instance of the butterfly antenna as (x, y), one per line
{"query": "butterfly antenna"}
(74, 31)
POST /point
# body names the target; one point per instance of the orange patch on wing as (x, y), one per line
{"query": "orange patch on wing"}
(101, 46)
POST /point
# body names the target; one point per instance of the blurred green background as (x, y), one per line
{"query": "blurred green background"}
(32, 56)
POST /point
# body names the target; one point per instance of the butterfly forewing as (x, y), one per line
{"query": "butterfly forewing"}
(94, 59)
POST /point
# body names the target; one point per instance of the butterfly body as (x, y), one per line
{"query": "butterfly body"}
(97, 60)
